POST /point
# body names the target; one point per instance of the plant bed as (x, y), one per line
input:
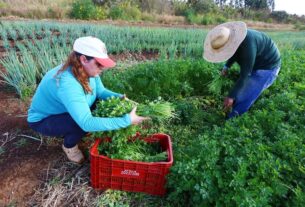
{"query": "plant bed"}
(133, 176)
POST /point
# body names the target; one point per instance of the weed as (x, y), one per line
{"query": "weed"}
(21, 143)
(2, 150)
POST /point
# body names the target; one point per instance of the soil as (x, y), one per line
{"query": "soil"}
(23, 161)
(22, 168)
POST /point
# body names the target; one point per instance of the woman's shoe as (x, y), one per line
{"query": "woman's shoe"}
(74, 154)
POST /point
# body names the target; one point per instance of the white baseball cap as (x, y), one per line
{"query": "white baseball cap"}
(93, 47)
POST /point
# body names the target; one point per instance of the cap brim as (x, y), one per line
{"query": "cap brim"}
(106, 62)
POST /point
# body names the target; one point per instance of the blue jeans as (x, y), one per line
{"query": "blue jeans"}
(60, 125)
(257, 82)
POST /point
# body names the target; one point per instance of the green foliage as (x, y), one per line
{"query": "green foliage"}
(82, 9)
(125, 144)
(259, 4)
(2, 150)
(261, 10)
(148, 17)
(20, 74)
(116, 13)
(205, 19)
(26, 91)
(21, 142)
(203, 6)
(252, 160)
(125, 11)
(299, 26)
(192, 17)
(169, 79)
(157, 110)
(85, 9)
(56, 13)
(219, 85)
(235, 167)
(101, 13)
(117, 198)
(280, 16)
(205, 110)
(219, 18)
(3, 5)
(180, 8)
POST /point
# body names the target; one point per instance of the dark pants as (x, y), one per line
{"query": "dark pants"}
(60, 125)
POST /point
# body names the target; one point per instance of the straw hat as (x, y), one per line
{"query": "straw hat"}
(222, 41)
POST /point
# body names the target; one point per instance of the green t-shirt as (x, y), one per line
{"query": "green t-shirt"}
(256, 52)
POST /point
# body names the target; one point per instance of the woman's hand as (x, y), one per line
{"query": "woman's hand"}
(135, 119)
(123, 97)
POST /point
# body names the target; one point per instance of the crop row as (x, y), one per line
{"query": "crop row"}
(32, 48)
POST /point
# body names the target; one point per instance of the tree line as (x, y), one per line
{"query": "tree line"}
(247, 4)
(195, 11)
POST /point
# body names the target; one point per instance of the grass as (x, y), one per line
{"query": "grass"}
(67, 184)
(163, 18)
(21, 143)
(20, 75)
(6, 138)
(35, 8)
(2, 150)
(59, 9)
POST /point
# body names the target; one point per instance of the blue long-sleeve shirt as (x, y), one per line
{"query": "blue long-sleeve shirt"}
(64, 94)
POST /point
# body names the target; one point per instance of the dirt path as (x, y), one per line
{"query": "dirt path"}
(22, 168)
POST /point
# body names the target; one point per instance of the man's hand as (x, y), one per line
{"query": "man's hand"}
(224, 72)
(228, 103)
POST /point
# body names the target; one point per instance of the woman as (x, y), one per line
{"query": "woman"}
(61, 104)
(256, 54)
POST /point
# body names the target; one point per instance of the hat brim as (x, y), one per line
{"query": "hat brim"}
(105, 62)
(238, 32)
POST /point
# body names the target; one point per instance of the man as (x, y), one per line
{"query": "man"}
(256, 54)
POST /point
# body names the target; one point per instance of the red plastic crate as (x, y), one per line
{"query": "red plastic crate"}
(133, 176)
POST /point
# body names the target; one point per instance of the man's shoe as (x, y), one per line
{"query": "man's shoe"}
(74, 154)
